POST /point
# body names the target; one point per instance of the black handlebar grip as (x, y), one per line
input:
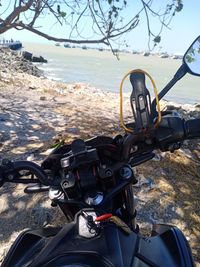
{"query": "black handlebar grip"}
(192, 129)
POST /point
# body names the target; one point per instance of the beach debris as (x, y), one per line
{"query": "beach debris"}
(43, 98)
(187, 152)
(143, 181)
(31, 157)
(159, 156)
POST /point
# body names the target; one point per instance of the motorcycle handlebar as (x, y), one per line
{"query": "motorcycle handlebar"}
(168, 137)
(173, 130)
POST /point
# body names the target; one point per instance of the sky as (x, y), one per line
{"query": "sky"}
(185, 27)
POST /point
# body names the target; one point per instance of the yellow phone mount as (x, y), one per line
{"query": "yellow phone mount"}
(140, 102)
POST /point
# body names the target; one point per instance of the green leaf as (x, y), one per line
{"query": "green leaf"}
(157, 39)
(58, 144)
(114, 8)
(179, 8)
(63, 14)
(58, 8)
(189, 59)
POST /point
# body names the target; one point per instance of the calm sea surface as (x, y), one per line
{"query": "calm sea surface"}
(102, 70)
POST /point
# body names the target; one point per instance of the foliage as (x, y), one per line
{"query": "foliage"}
(192, 54)
(108, 19)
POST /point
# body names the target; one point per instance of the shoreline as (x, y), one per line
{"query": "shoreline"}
(103, 70)
(36, 112)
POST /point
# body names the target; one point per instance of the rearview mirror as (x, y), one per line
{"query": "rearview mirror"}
(192, 58)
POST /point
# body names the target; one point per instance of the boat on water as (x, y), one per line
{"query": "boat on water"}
(177, 56)
(146, 54)
(57, 44)
(67, 45)
(164, 55)
(13, 45)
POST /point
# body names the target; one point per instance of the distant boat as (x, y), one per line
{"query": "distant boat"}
(164, 55)
(57, 44)
(101, 49)
(84, 47)
(146, 54)
(116, 50)
(177, 56)
(67, 45)
(13, 45)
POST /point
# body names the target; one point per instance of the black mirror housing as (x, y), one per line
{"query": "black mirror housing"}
(192, 58)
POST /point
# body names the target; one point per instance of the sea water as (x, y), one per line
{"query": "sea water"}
(103, 70)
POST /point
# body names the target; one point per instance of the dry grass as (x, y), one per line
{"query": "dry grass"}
(177, 180)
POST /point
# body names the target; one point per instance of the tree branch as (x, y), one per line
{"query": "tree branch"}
(78, 19)
(57, 39)
(107, 23)
(17, 11)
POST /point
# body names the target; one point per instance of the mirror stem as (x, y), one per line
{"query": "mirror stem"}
(178, 75)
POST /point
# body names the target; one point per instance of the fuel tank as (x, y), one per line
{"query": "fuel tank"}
(76, 245)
